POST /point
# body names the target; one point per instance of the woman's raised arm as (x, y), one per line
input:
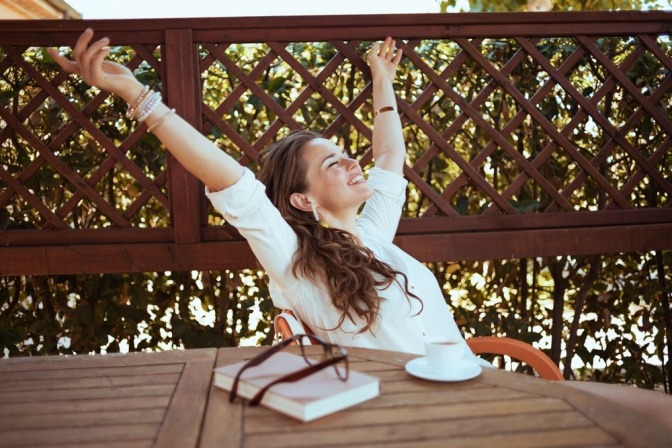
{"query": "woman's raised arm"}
(216, 169)
(389, 149)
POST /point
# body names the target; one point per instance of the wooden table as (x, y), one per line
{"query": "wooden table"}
(166, 399)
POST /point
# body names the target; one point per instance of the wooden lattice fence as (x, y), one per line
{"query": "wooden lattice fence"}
(529, 134)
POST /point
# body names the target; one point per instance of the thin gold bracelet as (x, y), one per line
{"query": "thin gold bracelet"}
(160, 120)
(385, 109)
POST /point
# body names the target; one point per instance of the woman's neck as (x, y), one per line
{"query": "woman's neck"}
(345, 221)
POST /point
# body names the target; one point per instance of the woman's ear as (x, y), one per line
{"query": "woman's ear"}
(300, 202)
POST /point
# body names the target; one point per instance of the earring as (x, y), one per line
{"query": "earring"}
(313, 207)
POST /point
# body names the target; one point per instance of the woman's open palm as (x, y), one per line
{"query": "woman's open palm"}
(89, 62)
(384, 59)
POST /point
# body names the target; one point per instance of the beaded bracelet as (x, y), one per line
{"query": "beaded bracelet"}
(132, 109)
(148, 107)
(160, 120)
(385, 109)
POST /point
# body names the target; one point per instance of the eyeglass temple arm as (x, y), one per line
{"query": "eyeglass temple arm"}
(293, 377)
(261, 357)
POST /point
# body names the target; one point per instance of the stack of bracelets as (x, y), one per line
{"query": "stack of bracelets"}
(143, 107)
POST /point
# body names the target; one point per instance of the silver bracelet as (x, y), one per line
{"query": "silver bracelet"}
(158, 122)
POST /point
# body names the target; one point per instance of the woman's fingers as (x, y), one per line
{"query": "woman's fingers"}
(387, 50)
(397, 57)
(79, 50)
(89, 56)
(65, 63)
(97, 64)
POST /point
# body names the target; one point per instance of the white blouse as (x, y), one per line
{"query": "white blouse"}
(400, 326)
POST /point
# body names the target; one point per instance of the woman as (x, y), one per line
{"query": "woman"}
(339, 272)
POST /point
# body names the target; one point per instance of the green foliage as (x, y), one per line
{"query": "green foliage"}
(144, 311)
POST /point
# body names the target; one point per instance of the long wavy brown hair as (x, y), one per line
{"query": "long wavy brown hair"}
(351, 272)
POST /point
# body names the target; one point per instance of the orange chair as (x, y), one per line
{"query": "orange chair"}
(286, 324)
(519, 351)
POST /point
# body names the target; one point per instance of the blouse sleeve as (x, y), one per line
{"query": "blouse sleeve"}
(382, 211)
(246, 206)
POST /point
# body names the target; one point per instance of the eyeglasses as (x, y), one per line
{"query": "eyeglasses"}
(332, 354)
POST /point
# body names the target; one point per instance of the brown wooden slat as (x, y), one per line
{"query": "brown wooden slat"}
(274, 423)
(538, 243)
(68, 406)
(561, 438)
(96, 393)
(90, 435)
(119, 381)
(20, 372)
(79, 420)
(432, 427)
(223, 421)
(427, 247)
(522, 222)
(181, 425)
(181, 88)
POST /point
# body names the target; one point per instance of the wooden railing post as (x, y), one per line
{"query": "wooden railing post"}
(182, 91)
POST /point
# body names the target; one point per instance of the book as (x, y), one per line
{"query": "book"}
(312, 397)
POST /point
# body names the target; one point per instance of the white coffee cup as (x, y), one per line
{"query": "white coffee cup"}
(444, 355)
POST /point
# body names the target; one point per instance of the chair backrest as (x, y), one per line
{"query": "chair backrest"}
(518, 350)
(287, 324)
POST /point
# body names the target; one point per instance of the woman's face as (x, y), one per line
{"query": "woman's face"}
(335, 181)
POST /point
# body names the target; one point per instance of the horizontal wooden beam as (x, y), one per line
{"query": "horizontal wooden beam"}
(537, 243)
(346, 27)
(236, 255)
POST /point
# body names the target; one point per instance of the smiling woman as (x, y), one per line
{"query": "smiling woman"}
(205, 8)
(335, 267)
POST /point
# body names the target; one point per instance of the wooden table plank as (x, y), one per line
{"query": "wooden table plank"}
(222, 426)
(33, 372)
(87, 383)
(82, 419)
(74, 406)
(272, 422)
(181, 426)
(433, 427)
(564, 438)
(139, 399)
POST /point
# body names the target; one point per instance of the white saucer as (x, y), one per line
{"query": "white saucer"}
(465, 370)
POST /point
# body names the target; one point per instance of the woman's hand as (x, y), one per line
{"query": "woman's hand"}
(89, 63)
(383, 60)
